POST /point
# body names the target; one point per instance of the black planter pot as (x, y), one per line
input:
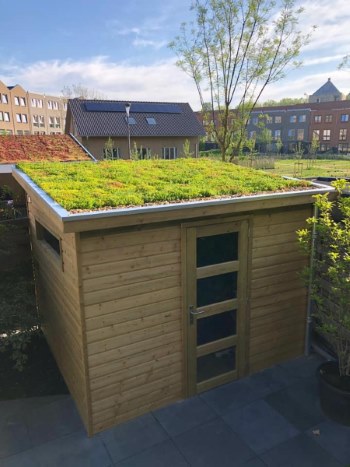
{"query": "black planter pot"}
(334, 393)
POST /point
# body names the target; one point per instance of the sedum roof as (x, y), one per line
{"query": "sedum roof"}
(108, 118)
(113, 184)
(35, 148)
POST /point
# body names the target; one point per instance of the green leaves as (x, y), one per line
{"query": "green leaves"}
(108, 184)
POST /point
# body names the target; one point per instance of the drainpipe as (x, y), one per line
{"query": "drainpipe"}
(309, 300)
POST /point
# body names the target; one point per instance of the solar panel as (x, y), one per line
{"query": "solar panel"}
(135, 108)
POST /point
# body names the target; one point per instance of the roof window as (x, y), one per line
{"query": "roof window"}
(151, 120)
(130, 120)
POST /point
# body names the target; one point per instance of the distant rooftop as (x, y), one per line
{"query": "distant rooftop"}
(327, 89)
(35, 148)
(108, 118)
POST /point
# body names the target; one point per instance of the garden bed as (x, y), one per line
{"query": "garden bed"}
(40, 375)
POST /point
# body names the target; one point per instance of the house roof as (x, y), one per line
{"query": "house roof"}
(326, 89)
(108, 118)
(35, 148)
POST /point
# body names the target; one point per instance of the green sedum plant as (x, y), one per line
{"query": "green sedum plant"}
(329, 272)
(110, 184)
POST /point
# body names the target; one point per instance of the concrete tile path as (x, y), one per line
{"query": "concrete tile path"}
(268, 419)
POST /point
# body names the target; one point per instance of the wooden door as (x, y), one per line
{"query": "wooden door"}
(216, 296)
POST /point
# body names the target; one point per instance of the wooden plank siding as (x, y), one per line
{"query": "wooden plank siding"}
(278, 299)
(57, 283)
(132, 300)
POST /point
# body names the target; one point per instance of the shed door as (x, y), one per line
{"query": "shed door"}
(216, 276)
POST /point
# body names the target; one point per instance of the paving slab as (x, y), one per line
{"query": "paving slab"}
(164, 454)
(131, 438)
(260, 426)
(333, 438)
(213, 444)
(184, 415)
(300, 451)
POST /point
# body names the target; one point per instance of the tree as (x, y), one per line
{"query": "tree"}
(284, 101)
(234, 49)
(78, 90)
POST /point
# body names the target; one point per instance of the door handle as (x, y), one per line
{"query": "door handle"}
(193, 313)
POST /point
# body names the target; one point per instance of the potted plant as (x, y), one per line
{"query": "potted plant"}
(327, 239)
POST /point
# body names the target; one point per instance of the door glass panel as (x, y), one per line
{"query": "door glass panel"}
(215, 289)
(216, 364)
(217, 249)
(216, 327)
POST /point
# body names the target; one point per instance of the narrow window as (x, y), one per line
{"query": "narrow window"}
(48, 238)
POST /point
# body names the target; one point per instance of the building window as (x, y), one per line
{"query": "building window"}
(268, 119)
(342, 134)
(1, 116)
(49, 105)
(300, 134)
(26, 132)
(343, 147)
(326, 135)
(291, 134)
(57, 122)
(344, 118)
(4, 99)
(48, 238)
(169, 153)
(22, 101)
(277, 134)
(33, 101)
(20, 132)
(316, 134)
(55, 105)
(39, 103)
(16, 100)
(278, 119)
(293, 119)
(151, 121)
(302, 118)
(21, 118)
(328, 118)
(51, 122)
(144, 153)
(111, 153)
(6, 117)
(41, 120)
(318, 118)
(35, 120)
(65, 106)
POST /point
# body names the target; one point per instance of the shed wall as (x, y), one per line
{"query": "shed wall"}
(132, 297)
(133, 306)
(57, 283)
(278, 298)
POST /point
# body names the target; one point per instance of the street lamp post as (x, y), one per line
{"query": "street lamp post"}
(127, 110)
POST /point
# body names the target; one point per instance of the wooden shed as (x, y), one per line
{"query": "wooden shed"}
(147, 305)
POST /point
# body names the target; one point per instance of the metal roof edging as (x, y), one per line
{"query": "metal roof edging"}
(83, 147)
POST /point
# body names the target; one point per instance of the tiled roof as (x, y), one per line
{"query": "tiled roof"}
(326, 89)
(35, 148)
(113, 123)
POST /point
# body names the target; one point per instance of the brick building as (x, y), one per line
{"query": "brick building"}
(26, 113)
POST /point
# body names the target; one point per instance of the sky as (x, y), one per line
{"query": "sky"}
(120, 48)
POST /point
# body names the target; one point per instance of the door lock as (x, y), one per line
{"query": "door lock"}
(193, 313)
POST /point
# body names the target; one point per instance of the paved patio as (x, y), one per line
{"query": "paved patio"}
(269, 419)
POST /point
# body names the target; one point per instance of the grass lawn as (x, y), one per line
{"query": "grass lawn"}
(319, 168)
(108, 184)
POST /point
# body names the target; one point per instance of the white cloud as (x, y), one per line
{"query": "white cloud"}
(149, 43)
(161, 81)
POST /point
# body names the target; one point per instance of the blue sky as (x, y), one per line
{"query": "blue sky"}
(120, 48)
